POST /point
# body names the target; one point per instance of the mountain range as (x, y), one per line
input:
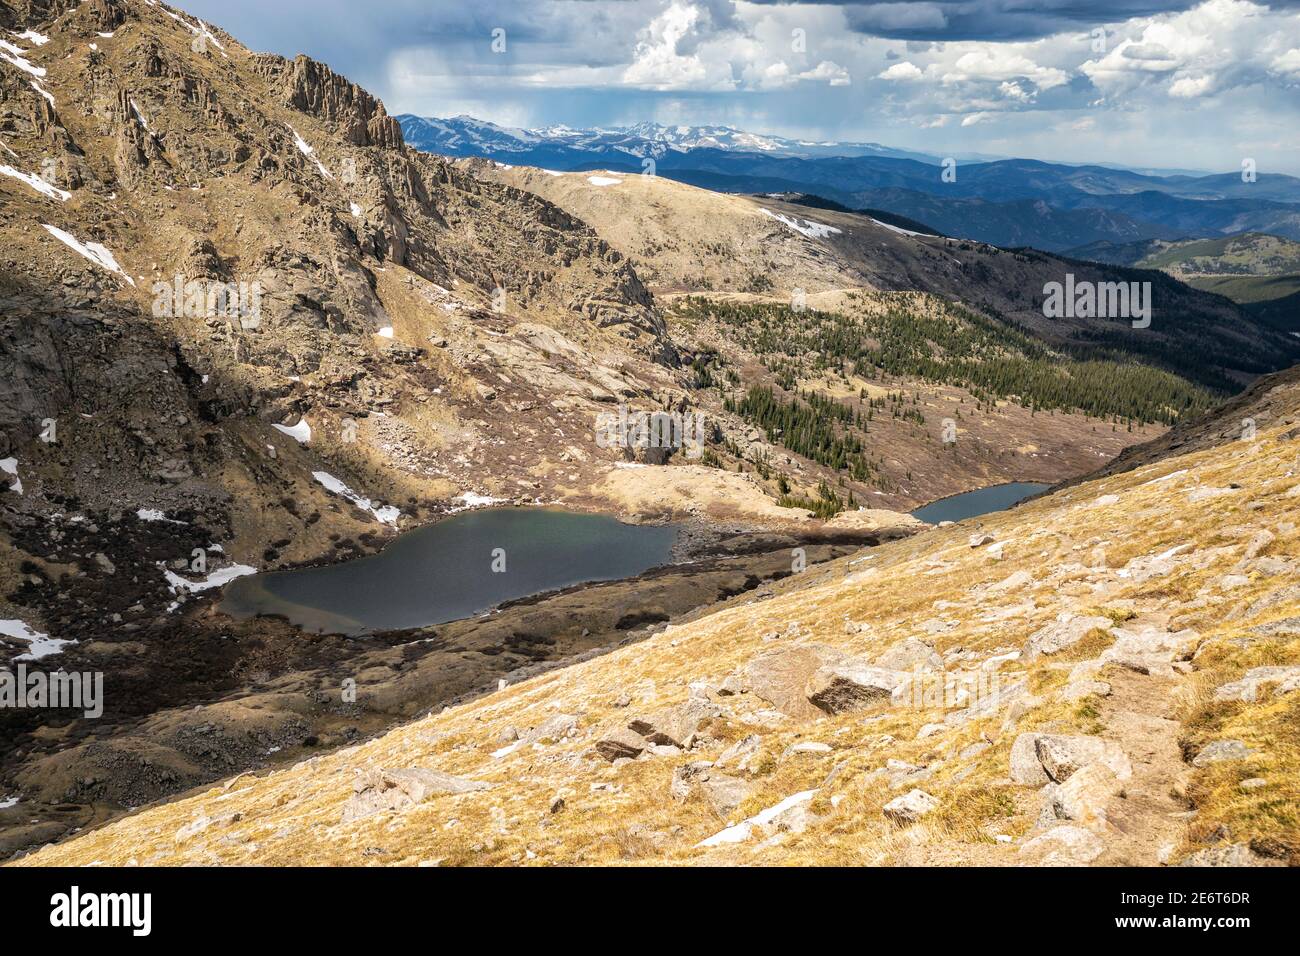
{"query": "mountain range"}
(1006, 202)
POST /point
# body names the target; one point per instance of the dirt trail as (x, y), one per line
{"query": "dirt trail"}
(1146, 817)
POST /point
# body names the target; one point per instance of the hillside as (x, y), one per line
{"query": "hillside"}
(685, 239)
(1250, 254)
(1258, 271)
(1144, 710)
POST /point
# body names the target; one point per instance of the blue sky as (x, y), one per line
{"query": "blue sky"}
(1166, 83)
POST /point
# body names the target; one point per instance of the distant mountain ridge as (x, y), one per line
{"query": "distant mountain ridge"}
(451, 135)
(1006, 202)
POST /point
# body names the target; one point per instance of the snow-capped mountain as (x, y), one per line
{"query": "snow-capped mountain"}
(465, 135)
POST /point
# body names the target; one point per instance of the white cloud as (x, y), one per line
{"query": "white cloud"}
(657, 64)
(1014, 91)
(902, 72)
(828, 70)
(1190, 87)
(1219, 45)
(1000, 63)
(1288, 62)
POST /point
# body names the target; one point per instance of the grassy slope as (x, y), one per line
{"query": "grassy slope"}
(1080, 550)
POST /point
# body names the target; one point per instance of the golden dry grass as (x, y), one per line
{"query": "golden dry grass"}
(931, 584)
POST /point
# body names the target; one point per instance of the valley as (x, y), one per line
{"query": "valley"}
(306, 447)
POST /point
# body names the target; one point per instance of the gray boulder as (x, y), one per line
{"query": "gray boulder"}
(377, 790)
(851, 685)
(1220, 751)
(1059, 635)
(1038, 759)
(781, 677)
(910, 807)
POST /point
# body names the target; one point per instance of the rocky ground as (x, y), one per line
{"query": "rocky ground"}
(1107, 675)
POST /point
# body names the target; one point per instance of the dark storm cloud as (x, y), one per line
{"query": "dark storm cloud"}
(995, 19)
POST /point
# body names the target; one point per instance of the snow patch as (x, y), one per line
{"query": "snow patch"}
(216, 579)
(386, 514)
(36, 39)
(898, 229)
(93, 251)
(386, 332)
(153, 514)
(603, 180)
(301, 433)
(310, 153)
(14, 55)
(38, 645)
(10, 467)
(37, 183)
(356, 210)
(473, 500)
(742, 831)
(813, 230)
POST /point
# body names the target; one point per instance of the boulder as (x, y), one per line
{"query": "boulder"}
(781, 677)
(1065, 845)
(910, 807)
(620, 743)
(1060, 634)
(1037, 759)
(1220, 751)
(378, 790)
(852, 685)
(1082, 798)
(675, 726)
(909, 655)
(1286, 679)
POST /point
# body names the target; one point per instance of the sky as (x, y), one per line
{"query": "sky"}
(1143, 83)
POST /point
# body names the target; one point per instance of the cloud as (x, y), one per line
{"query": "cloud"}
(1288, 62)
(1217, 46)
(902, 72)
(1000, 64)
(1158, 80)
(657, 63)
(1188, 87)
